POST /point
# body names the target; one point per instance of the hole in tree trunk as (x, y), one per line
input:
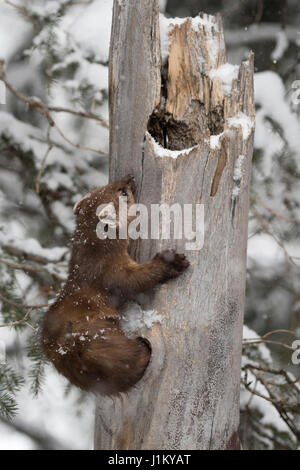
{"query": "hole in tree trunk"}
(192, 128)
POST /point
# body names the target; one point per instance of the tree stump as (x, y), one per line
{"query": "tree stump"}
(184, 128)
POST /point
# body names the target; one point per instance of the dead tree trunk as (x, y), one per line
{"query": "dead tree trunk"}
(189, 396)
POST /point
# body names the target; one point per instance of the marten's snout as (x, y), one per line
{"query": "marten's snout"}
(130, 181)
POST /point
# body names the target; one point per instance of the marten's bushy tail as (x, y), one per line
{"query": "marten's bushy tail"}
(103, 359)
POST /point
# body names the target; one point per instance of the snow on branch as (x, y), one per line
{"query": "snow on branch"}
(44, 110)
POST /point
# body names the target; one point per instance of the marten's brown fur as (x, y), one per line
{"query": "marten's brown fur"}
(81, 333)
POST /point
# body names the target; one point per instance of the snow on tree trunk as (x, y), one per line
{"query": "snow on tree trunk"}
(189, 395)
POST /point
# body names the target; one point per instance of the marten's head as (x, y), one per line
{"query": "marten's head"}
(99, 211)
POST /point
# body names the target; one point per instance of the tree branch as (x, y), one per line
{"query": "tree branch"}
(44, 110)
(31, 267)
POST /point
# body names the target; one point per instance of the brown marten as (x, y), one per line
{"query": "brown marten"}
(81, 333)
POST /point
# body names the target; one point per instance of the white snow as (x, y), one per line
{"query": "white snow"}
(61, 351)
(243, 121)
(238, 171)
(226, 73)
(162, 5)
(215, 140)
(263, 349)
(270, 95)
(64, 214)
(237, 176)
(160, 151)
(136, 319)
(92, 27)
(263, 248)
(167, 24)
(270, 415)
(32, 246)
(13, 31)
(235, 192)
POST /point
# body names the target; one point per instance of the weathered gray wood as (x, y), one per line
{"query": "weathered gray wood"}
(189, 396)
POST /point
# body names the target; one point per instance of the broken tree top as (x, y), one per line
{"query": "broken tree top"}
(201, 93)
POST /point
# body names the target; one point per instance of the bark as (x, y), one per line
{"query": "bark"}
(189, 396)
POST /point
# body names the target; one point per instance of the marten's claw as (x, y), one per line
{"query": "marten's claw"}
(176, 263)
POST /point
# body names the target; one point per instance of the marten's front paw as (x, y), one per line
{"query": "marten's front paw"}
(175, 263)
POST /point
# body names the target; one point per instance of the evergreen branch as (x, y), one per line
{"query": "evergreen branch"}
(10, 381)
(10, 384)
(31, 268)
(19, 322)
(23, 12)
(18, 252)
(8, 406)
(37, 371)
(21, 306)
(39, 175)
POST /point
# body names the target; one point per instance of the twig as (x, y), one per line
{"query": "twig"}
(278, 331)
(19, 322)
(14, 251)
(265, 226)
(270, 370)
(255, 392)
(30, 267)
(44, 110)
(263, 339)
(23, 11)
(283, 406)
(78, 146)
(279, 404)
(268, 341)
(16, 305)
(280, 216)
(88, 114)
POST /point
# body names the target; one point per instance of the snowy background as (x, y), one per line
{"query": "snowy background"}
(57, 52)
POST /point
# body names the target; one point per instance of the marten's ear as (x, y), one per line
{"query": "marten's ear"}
(76, 208)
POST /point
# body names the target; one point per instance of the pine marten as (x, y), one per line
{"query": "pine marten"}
(81, 334)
